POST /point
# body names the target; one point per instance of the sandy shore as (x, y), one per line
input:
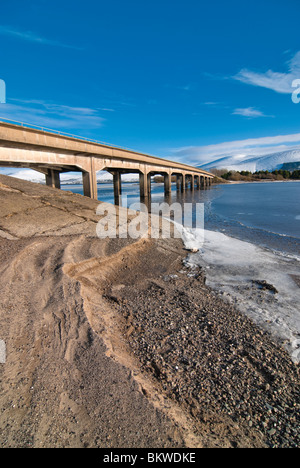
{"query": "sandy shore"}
(114, 343)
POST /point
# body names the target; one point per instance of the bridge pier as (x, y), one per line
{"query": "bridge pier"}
(168, 184)
(117, 186)
(90, 188)
(53, 179)
(145, 185)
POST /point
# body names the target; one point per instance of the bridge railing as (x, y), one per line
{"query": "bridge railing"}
(58, 132)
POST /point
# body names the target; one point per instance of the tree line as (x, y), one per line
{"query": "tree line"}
(280, 174)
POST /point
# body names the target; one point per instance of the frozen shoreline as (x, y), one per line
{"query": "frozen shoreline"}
(248, 276)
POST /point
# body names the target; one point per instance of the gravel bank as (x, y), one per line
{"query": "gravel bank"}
(211, 358)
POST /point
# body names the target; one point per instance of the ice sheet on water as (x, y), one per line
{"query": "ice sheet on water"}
(239, 269)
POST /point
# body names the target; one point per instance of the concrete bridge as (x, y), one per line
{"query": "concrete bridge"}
(53, 153)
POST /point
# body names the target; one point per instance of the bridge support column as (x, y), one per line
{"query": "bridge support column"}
(52, 179)
(197, 182)
(168, 184)
(145, 185)
(117, 186)
(149, 184)
(90, 188)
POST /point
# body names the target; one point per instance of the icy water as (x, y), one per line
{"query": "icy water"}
(267, 214)
(272, 207)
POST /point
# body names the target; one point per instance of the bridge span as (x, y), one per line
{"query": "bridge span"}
(53, 153)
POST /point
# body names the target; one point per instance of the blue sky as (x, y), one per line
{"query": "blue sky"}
(189, 80)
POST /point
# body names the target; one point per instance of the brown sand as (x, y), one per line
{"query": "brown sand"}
(86, 323)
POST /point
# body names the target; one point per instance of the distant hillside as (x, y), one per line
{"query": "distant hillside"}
(269, 162)
(291, 166)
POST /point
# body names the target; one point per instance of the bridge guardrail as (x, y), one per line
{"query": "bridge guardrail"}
(58, 132)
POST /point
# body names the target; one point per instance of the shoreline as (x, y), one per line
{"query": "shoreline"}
(121, 344)
(261, 283)
(262, 181)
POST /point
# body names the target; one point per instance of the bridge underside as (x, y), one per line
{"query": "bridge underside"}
(52, 173)
(184, 181)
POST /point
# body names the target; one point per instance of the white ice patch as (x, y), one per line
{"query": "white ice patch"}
(237, 268)
(193, 238)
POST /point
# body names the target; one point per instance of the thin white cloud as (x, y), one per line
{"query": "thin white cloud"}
(243, 148)
(211, 104)
(249, 112)
(278, 82)
(215, 105)
(52, 115)
(106, 109)
(186, 87)
(30, 36)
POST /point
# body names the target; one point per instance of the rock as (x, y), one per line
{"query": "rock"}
(265, 286)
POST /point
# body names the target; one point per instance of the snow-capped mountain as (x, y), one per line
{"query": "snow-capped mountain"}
(269, 162)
